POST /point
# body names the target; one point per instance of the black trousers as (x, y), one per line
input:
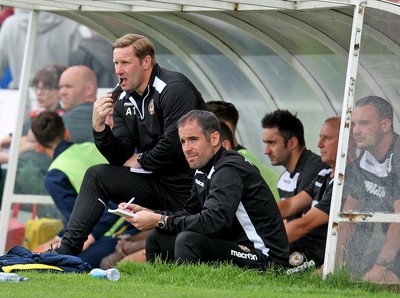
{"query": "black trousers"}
(102, 183)
(192, 247)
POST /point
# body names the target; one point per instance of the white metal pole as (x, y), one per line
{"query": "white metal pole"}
(348, 102)
(13, 161)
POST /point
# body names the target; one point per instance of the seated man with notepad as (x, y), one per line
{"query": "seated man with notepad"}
(231, 215)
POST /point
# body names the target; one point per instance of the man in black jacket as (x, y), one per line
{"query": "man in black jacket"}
(231, 214)
(140, 142)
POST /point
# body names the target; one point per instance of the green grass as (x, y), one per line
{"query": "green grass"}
(168, 280)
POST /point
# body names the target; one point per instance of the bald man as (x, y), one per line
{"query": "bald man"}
(78, 88)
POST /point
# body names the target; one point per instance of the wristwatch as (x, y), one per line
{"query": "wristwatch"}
(161, 223)
(139, 157)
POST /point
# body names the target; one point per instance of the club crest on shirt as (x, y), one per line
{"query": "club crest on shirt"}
(150, 107)
(296, 258)
(244, 248)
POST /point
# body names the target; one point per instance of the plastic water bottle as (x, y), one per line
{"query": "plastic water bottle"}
(11, 277)
(109, 274)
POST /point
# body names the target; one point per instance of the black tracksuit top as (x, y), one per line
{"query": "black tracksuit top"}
(147, 124)
(231, 201)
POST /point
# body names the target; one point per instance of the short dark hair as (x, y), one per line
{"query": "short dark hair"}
(383, 108)
(225, 111)
(48, 128)
(287, 124)
(207, 121)
(226, 133)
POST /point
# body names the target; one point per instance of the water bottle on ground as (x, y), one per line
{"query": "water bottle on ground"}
(11, 277)
(109, 274)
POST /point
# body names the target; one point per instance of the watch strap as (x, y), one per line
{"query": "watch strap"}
(161, 223)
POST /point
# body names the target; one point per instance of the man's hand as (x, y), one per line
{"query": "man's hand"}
(133, 207)
(101, 108)
(144, 219)
(89, 242)
(132, 162)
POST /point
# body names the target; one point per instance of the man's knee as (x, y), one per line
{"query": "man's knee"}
(188, 247)
(96, 170)
(186, 237)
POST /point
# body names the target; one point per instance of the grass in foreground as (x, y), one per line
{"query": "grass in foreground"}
(169, 280)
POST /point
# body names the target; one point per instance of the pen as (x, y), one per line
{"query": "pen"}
(130, 202)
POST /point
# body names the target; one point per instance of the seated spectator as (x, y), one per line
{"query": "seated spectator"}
(45, 84)
(64, 178)
(32, 165)
(78, 91)
(95, 53)
(231, 215)
(227, 112)
(307, 234)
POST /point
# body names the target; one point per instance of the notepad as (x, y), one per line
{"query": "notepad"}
(140, 171)
(122, 212)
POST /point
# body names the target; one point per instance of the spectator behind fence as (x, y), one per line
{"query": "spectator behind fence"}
(143, 146)
(78, 91)
(373, 186)
(307, 234)
(45, 84)
(231, 215)
(60, 35)
(95, 52)
(228, 113)
(283, 136)
(32, 165)
(64, 178)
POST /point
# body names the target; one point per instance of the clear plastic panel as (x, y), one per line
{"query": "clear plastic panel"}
(371, 187)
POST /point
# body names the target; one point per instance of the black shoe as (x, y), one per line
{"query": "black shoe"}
(51, 250)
